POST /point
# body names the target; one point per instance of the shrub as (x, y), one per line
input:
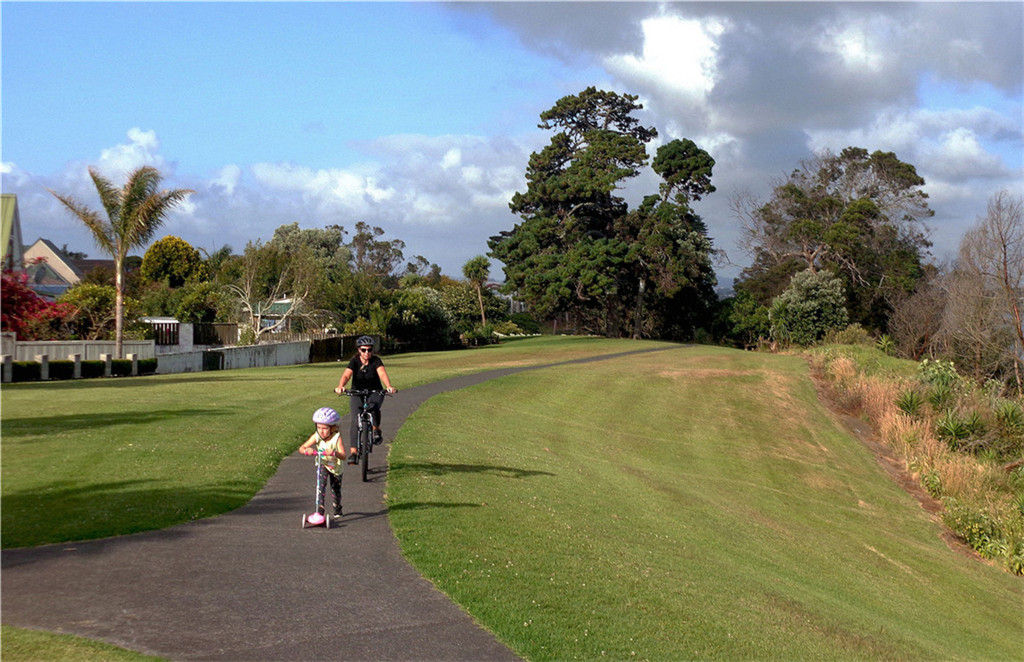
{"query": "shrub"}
(525, 322)
(62, 369)
(939, 372)
(940, 396)
(120, 367)
(810, 307)
(25, 371)
(1009, 417)
(147, 366)
(93, 369)
(952, 429)
(910, 402)
(854, 334)
(508, 328)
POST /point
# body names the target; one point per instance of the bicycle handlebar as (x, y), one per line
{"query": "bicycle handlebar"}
(364, 392)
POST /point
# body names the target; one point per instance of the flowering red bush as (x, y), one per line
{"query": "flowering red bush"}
(28, 315)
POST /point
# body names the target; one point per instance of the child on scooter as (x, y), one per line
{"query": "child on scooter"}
(327, 440)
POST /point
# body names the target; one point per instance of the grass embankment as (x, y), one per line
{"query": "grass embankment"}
(957, 440)
(690, 504)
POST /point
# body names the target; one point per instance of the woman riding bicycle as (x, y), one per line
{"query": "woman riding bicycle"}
(367, 373)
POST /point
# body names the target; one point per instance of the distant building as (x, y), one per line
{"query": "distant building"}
(10, 238)
(51, 272)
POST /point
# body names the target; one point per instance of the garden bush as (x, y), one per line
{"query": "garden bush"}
(25, 371)
(62, 369)
(121, 367)
(91, 369)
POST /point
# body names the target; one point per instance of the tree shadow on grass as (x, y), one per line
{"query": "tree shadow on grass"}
(64, 511)
(442, 468)
(39, 424)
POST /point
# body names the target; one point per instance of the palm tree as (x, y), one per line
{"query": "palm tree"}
(477, 271)
(134, 212)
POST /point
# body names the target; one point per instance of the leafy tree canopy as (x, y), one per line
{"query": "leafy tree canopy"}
(173, 260)
(858, 214)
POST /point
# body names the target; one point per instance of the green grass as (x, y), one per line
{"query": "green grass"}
(126, 455)
(693, 503)
(690, 504)
(35, 646)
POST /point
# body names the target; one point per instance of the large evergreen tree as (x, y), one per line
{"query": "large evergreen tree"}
(580, 250)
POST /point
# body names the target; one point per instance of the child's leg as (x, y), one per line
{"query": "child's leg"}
(336, 488)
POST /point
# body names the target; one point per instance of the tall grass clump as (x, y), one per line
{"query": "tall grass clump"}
(963, 442)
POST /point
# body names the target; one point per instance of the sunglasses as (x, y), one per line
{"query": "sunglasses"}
(365, 350)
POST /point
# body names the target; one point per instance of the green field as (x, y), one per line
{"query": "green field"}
(690, 504)
(694, 503)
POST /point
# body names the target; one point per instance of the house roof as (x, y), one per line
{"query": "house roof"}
(69, 270)
(276, 309)
(57, 262)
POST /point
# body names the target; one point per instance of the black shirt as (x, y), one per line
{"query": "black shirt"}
(365, 377)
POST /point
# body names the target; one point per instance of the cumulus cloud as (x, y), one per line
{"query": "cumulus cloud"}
(761, 86)
(411, 185)
(679, 56)
(142, 148)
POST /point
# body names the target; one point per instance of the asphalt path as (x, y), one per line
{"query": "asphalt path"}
(253, 584)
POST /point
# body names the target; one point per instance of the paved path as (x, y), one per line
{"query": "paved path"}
(252, 585)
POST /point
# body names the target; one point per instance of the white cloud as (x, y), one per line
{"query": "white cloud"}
(856, 45)
(227, 178)
(142, 149)
(452, 158)
(679, 56)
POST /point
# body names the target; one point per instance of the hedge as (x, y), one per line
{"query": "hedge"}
(29, 371)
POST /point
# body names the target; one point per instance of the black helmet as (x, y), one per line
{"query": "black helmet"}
(364, 341)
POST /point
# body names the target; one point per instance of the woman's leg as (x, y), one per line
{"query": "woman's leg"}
(353, 429)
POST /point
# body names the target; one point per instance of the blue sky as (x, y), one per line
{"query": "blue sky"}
(420, 117)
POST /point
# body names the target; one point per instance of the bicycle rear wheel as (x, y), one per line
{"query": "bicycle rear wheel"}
(365, 441)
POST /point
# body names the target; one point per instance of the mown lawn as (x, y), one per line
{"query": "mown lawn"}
(95, 458)
(696, 503)
(693, 503)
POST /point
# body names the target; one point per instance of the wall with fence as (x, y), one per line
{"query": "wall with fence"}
(89, 350)
(323, 350)
(263, 356)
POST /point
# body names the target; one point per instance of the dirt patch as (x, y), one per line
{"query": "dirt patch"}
(892, 466)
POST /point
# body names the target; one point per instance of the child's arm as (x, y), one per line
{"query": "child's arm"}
(305, 448)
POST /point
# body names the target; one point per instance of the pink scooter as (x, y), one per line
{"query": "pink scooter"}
(317, 518)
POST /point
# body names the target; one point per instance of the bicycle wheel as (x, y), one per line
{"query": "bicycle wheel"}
(365, 442)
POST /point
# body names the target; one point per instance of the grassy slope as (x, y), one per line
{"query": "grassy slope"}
(696, 503)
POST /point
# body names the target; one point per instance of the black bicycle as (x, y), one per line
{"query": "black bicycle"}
(364, 435)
